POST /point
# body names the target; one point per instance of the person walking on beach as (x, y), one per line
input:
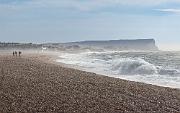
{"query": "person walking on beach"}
(13, 53)
(20, 53)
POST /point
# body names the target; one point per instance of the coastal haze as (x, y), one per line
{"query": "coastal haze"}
(43, 21)
(89, 56)
(121, 45)
(137, 60)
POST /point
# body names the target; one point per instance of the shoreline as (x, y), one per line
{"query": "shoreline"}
(122, 77)
(51, 57)
(47, 58)
(34, 83)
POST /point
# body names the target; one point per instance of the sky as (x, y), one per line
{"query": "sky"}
(42, 21)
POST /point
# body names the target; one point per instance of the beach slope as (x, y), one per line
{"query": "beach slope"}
(29, 85)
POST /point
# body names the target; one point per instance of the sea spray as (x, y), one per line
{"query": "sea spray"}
(148, 67)
(128, 66)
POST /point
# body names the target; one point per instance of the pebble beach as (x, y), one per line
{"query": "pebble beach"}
(34, 84)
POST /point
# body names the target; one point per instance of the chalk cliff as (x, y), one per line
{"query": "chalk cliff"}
(137, 44)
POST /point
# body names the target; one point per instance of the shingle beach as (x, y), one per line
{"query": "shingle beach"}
(31, 85)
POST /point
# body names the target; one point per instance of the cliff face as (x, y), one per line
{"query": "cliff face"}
(139, 44)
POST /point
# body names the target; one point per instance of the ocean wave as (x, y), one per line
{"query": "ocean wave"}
(153, 68)
(134, 66)
(128, 66)
(118, 65)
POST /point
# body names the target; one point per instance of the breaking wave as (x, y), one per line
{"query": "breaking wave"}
(153, 68)
(132, 66)
(128, 66)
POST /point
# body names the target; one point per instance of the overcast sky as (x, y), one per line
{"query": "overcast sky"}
(73, 20)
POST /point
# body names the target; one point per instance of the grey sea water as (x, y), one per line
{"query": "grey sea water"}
(158, 68)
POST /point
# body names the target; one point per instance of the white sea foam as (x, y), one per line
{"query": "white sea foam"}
(128, 65)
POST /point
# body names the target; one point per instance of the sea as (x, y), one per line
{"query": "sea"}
(160, 68)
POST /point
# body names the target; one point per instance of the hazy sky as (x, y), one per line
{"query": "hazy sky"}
(72, 20)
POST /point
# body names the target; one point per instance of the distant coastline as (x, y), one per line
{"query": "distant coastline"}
(136, 44)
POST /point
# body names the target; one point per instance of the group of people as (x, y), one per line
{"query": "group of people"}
(15, 53)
